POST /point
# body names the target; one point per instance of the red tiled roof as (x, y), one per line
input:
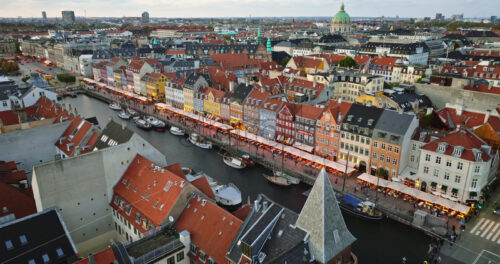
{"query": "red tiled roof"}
(81, 126)
(136, 65)
(362, 59)
(306, 62)
(337, 109)
(269, 102)
(9, 117)
(332, 59)
(384, 61)
(235, 62)
(464, 138)
(257, 95)
(484, 53)
(494, 121)
(203, 185)
(93, 139)
(243, 212)
(483, 88)
(16, 202)
(309, 111)
(173, 52)
(176, 169)
(216, 93)
(467, 119)
(150, 180)
(105, 256)
(212, 228)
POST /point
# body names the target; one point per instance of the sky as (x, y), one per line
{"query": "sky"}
(244, 8)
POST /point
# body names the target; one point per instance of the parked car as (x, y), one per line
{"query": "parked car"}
(497, 210)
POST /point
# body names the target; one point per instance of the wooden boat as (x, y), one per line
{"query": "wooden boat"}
(292, 180)
(354, 205)
(228, 195)
(115, 106)
(124, 115)
(278, 180)
(196, 140)
(247, 160)
(176, 131)
(234, 162)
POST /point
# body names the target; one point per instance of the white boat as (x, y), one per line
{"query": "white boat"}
(135, 118)
(131, 111)
(115, 106)
(141, 123)
(227, 195)
(124, 115)
(176, 131)
(199, 142)
(234, 162)
(292, 180)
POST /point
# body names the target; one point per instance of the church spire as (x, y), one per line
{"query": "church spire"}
(321, 217)
(268, 45)
(342, 6)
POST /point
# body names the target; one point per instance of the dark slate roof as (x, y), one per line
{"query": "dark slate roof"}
(285, 243)
(392, 126)
(401, 48)
(404, 100)
(286, 44)
(360, 117)
(191, 48)
(278, 56)
(45, 233)
(113, 131)
(241, 92)
(481, 34)
(331, 38)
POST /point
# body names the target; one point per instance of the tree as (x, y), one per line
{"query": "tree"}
(66, 77)
(348, 62)
(284, 61)
(25, 78)
(383, 173)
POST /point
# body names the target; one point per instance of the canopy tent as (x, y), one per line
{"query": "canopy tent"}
(293, 151)
(114, 89)
(194, 116)
(447, 203)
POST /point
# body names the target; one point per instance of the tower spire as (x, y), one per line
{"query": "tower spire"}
(342, 6)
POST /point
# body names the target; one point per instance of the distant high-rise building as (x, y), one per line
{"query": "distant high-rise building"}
(439, 17)
(44, 15)
(68, 16)
(145, 17)
(493, 19)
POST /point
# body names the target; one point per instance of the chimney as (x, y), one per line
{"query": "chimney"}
(487, 115)
(460, 107)
(490, 84)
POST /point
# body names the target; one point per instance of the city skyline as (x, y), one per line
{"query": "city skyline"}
(256, 8)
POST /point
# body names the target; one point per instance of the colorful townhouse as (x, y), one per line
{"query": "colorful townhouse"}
(251, 110)
(356, 135)
(391, 142)
(305, 126)
(212, 101)
(267, 117)
(191, 87)
(285, 123)
(328, 129)
(238, 98)
(136, 69)
(155, 86)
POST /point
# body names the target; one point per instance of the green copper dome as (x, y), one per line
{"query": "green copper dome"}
(341, 17)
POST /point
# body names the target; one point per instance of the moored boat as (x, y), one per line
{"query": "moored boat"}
(131, 111)
(291, 179)
(247, 160)
(143, 124)
(199, 142)
(176, 131)
(358, 207)
(156, 123)
(115, 106)
(234, 162)
(124, 115)
(278, 180)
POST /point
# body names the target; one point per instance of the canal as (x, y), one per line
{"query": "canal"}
(385, 241)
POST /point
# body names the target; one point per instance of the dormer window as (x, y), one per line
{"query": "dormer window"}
(442, 147)
(457, 151)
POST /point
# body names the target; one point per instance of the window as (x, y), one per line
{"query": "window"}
(412, 158)
(414, 147)
(45, 258)
(23, 240)
(180, 256)
(476, 169)
(171, 260)
(389, 148)
(460, 165)
(382, 146)
(426, 170)
(457, 178)
(396, 149)
(375, 144)
(117, 199)
(381, 157)
(211, 261)
(374, 154)
(436, 173)
(474, 183)
(446, 175)
(8, 245)
(193, 248)
(31, 261)
(394, 161)
(388, 159)
(448, 163)
(59, 252)
(438, 160)
(368, 141)
(203, 256)
(427, 157)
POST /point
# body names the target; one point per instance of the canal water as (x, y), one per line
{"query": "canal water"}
(385, 241)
